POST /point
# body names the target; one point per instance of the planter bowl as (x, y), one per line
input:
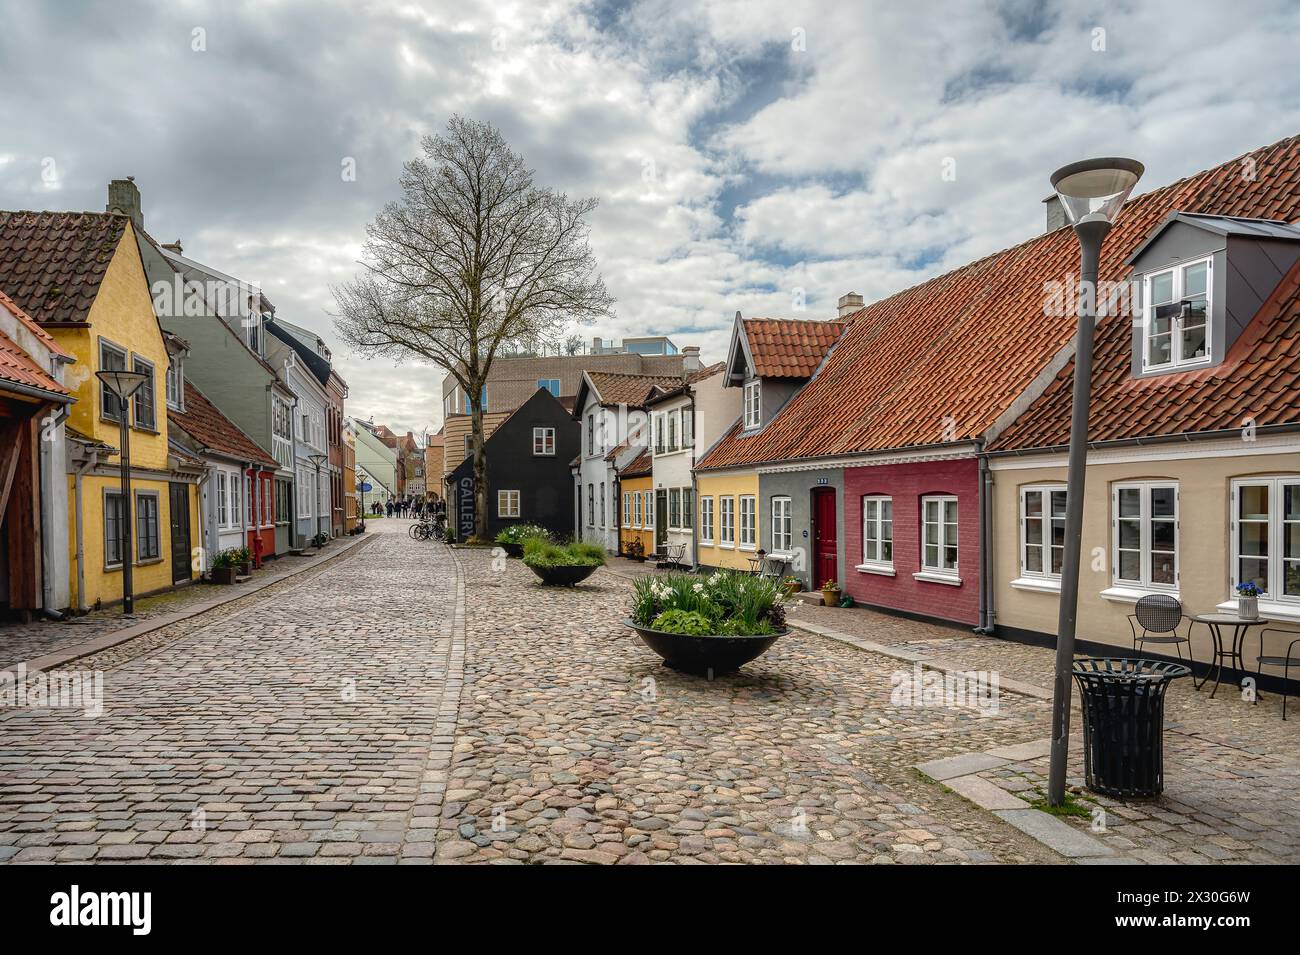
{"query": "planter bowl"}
(704, 656)
(513, 550)
(564, 575)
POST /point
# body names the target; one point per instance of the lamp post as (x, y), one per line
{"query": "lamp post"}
(1091, 194)
(317, 459)
(124, 384)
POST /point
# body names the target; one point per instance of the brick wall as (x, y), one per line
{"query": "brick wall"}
(907, 484)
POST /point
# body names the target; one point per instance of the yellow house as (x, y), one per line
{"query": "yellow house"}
(721, 496)
(83, 281)
(636, 507)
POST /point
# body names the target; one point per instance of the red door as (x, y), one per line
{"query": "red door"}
(825, 537)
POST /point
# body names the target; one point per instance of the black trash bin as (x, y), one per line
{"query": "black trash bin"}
(1123, 702)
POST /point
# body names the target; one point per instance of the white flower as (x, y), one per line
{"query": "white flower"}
(698, 588)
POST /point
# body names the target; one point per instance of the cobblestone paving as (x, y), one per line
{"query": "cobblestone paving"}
(575, 744)
(1232, 768)
(310, 725)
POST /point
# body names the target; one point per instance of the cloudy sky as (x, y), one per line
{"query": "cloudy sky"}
(744, 153)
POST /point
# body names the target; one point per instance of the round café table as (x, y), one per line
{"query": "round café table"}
(1224, 650)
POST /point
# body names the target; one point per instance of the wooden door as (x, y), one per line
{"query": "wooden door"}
(661, 518)
(180, 526)
(825, 537)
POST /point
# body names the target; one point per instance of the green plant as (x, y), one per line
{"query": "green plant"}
(683, 621)
(226, 558)
(735, 604)
(519, 533)
(242, 555)
(635, 549)
(830, 585)
(543, 552)
(1248, 589)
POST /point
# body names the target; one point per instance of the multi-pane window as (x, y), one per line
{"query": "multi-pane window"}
(688, 508)
(1177, 303)
(706, 519)
(878, 531)
(658, 423)
(236, 498)
(748, 522)
(671, 418)
(111, 358)
(675, 507)
(939, 535)
(782, 532)
(544, 442)
(1042, 531)
(148, 545)
(1266, 535)
(114, 522)
(636, 508)
(143, 399)
(223, 502)
(507, 503)
(753, 404)
(175, 384)
(649, 509)
(602, 503)
(1145, 534)
(727, 521)
(627, 509)
(591, 434)
(550, 384)
(688, 428)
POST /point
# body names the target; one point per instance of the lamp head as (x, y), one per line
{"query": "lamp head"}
(1093, 190)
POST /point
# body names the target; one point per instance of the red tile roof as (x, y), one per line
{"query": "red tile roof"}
(631, 390)
(944, 360)
(16, 365)
(210, 428)
(640, 466)
(784, 348)
(52, 263)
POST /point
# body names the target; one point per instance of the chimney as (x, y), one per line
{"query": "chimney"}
(1055, 212)
(690, 359)
(849, 304)
(174, 247)
(124, 198)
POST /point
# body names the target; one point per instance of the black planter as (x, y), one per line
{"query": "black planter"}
(564, 575)
(224, 575)
(513, 550)
(705, 656)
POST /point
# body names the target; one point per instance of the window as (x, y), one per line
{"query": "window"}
(1266, 535)
(782, 532)
(147, 543)
(636, 509)
(939, 535)
(672, 430)
(602, 503)
(1042, 531)
(627, 509)
(143, 399)
(675, 507)
(1145, 541)
(223, 502)
(649, 509)
(591, 505)
(550, 384)
(544, 442)
(236, 498)
(878, 531)
(727, 521)
(659, 433)
(688, 428)
(111, 358)
(688, 508)
(483, 402)
(507, 503)
(747, 521)
(706, 520)
(114, 527)
(753, 404)
(175, 384)
(1177, 306)
(304, 500)
(591, 434)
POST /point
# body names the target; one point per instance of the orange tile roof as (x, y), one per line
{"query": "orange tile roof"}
(942, 361)
(51, 263)
(640, 466)
(17, 366)
(209, 427)
(631, 390)
(792, 348)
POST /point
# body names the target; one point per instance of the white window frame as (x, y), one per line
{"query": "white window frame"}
(627, 509)
(748, 528)
(235, 483)
(1276, 536)
(873, 530)
(507, 503)
(674, 508)
(1144, 544)
(1046, 491)
(1176, 328)
(223, 501)
(753, 404)
(602, 504)
(649, 498)
(727, 521)
(706, 520)
(546, 436)
(782, 525)
(636, 509)
(930, 570)
(591, 505)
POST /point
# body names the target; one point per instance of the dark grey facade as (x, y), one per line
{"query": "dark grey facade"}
(801, 487)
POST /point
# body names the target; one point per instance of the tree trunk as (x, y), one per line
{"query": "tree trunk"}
(480, 469)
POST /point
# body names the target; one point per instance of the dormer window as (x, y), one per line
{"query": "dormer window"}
(176, 384)
(1177, 311)
(753, 404)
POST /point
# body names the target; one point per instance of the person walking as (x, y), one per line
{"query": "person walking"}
(388, 507)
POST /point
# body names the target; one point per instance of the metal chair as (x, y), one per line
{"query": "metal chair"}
(1291, 659)
(1159, 616)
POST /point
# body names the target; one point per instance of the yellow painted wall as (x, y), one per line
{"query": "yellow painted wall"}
(626, 534)
(717, 484)
(1204, 543)
(123, 314)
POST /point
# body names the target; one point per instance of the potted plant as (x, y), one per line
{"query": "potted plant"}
(512, 539)
(224, 570)
(831, 593)
(1248, 600)
(244, 560)
(791, 585)
(707, 625)
(562, 564)
(635, 550)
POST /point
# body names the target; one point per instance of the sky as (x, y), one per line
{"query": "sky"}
(761, 157)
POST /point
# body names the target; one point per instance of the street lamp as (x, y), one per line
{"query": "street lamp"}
(124, 384)
(1091, 194)
(317, 459)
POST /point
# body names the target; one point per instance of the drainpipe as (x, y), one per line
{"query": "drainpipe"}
(48, 471)
(293, 485)
(986, 542)
(89, 463)
(695, 491)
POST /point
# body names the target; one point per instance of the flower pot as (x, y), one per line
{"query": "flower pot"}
(563, 575)
(245, 568)
(831, 598)
(513, 550)
(704, 656)
(791, 588)
(1248, 608)
(224, 575)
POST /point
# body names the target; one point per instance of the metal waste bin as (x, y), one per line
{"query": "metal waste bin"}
(1123, 701)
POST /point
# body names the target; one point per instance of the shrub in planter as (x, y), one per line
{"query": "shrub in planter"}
(636, 550)
(512, 538)
(225, 567)
(831, 593)
(562, 564)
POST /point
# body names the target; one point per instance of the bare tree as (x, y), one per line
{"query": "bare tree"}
(472, 257)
